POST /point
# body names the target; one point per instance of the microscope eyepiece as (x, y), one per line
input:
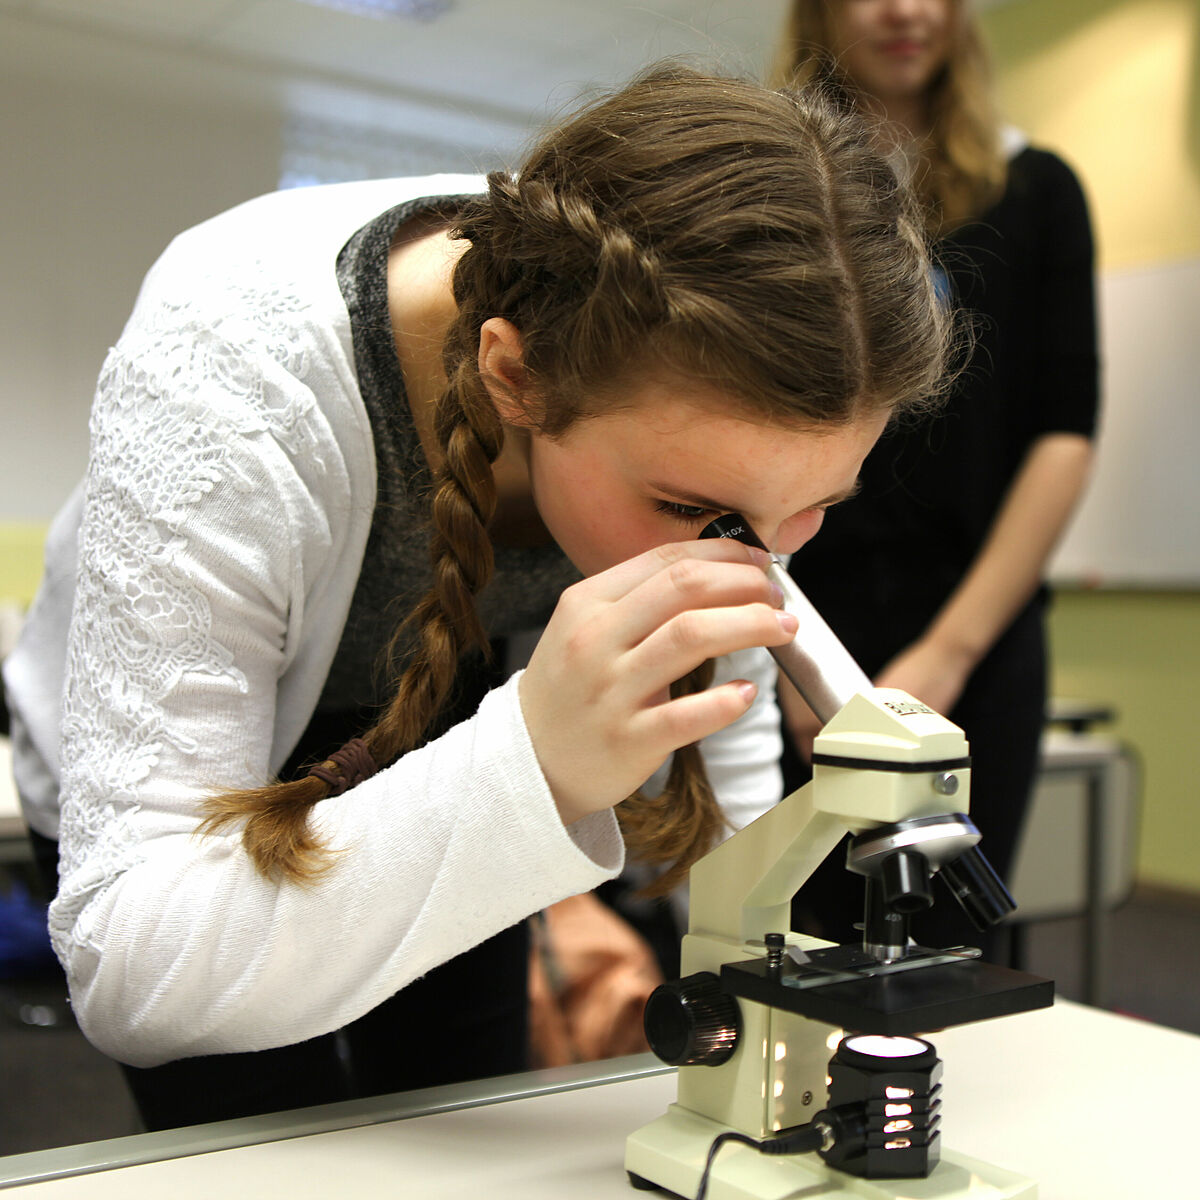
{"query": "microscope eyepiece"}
(818, 665)
(732, 525)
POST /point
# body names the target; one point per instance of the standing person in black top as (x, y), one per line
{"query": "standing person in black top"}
(932, 574)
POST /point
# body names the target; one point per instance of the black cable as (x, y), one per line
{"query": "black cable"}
(719, 1141)
(804, 1139)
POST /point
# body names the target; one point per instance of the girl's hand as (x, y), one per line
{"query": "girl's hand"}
(595, 695)
(933, 674)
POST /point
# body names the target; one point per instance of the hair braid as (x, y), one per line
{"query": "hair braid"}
(276, 833)
(446, 621)
(680, 825)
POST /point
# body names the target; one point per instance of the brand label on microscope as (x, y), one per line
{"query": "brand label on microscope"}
(907, 708)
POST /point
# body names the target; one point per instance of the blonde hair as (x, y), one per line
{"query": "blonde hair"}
(707, 226)
(961, 169)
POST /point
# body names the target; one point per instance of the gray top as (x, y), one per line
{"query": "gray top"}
(396, 571)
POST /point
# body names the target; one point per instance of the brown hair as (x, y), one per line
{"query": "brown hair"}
(700, 225)
(961, 171)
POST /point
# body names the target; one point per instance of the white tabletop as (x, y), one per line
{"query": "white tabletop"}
(1091, 1105)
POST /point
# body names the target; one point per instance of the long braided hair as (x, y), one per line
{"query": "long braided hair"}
(750, 239)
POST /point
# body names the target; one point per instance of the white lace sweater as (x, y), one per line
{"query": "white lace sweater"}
(196, 590)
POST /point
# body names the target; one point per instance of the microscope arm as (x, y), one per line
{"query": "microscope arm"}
(876, 763)
(744, 887)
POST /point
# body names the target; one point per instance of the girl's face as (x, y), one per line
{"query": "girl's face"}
(660, 468)
(891, 49)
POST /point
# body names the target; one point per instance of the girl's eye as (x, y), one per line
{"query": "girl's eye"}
(682, 512)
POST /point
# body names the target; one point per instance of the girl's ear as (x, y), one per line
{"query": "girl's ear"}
(502, 369)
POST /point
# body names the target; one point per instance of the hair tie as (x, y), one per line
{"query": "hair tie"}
(354, 763)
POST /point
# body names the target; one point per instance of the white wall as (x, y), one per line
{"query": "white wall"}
(108, 151)
(123, 122)
(113, 144)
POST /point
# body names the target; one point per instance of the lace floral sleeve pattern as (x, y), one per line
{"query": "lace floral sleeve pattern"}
(172, 397)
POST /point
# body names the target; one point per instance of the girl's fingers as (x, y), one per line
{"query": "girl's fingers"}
(688, 639)
(613, 621)
(690, 718)
(617, 582)
(686, 587)
(595, 695)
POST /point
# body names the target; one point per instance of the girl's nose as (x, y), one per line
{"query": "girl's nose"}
(796, 530)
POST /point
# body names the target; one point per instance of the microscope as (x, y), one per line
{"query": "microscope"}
(810, 1058)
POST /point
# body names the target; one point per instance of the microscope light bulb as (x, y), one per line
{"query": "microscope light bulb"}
(876, 1045)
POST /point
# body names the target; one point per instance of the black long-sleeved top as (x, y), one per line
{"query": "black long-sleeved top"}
(885, 561)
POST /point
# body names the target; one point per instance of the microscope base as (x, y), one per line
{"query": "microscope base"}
(670, 1154)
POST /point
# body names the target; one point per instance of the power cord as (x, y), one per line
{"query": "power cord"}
(843, 1127)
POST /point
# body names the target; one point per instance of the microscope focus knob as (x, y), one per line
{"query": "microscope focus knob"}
(692, 1021)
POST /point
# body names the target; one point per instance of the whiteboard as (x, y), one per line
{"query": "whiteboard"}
(1139, 524)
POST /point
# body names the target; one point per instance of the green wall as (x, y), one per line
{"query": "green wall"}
(20, 560)
(1140, 652)
(1114, 85)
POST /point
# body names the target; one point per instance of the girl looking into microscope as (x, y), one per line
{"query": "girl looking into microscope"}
(349, 438)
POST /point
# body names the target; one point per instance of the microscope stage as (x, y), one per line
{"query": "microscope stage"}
(863, 996)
